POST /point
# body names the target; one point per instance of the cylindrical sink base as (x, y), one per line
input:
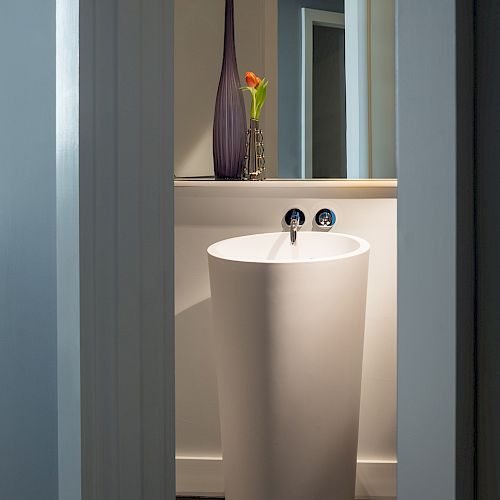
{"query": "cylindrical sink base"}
(289, 349)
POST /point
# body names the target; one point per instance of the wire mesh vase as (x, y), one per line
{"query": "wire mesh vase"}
(255, 162)
(230, 118)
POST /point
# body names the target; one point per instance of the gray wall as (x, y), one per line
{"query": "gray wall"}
(426, 249)
(435, 252)
(28, 337)
(126, 249)
(289, 82)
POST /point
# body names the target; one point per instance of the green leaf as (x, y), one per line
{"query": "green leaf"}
(260, 97)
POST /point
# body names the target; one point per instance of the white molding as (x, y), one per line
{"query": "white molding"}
(357, 102)
(68, 249)
(310, 18)
(204, 476)
(270, 55)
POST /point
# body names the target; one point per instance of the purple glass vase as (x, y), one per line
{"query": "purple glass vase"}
(230, 118)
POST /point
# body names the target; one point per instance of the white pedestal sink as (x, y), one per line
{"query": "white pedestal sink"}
(289, 324)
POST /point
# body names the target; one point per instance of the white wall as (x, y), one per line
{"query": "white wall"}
(198, 42)
(210, 211)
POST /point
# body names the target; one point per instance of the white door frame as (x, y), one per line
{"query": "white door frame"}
(127, 373)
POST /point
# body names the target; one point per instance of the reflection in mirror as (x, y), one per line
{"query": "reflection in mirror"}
(330, 109)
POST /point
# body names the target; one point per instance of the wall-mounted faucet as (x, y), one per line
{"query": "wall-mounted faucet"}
(294, 218)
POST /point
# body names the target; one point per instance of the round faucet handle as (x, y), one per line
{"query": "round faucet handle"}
(325, 218)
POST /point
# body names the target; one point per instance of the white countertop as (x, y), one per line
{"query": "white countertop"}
(341, 188)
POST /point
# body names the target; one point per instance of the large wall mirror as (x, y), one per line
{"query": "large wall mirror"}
(330, 110)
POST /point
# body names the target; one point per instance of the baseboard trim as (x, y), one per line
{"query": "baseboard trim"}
(203, 476)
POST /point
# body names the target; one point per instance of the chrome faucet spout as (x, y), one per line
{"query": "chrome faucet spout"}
(294, 218)
(294, 224)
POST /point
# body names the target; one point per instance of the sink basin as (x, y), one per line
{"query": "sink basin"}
(276, 248)
(288, 332)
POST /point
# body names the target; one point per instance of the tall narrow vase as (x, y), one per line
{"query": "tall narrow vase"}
(229, 119)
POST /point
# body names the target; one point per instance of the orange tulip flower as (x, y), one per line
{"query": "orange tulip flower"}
(252, 80)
